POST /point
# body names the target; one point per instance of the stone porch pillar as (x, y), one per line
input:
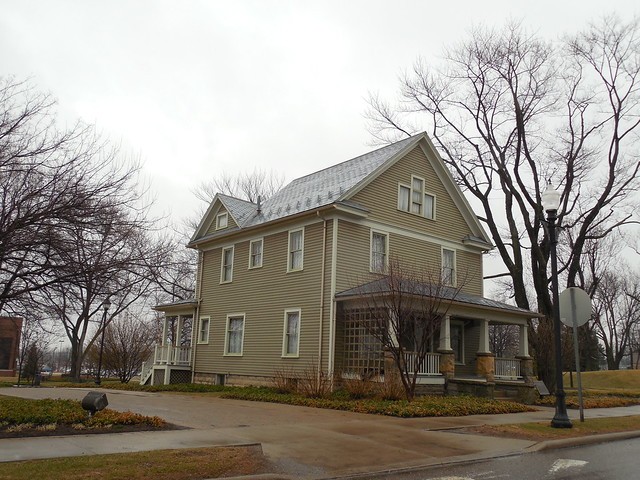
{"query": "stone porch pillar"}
(447, 359)
(485, 360)
(526, 361)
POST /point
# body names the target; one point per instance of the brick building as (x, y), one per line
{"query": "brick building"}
(10, 328)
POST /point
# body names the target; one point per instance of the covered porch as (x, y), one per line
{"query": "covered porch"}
(171, 360)
(460, 358)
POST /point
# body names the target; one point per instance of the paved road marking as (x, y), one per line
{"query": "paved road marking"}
(564, 464)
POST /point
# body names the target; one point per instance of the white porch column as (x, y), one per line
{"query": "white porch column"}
(179, 326)
(445, 334)
(524, 341)
(483, 345)
(165, 331)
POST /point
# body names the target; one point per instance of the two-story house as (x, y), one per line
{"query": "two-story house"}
(278, 281)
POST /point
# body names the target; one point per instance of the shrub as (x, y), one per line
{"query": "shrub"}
(285, 381)
(357, 388)
(313, 382)
(391, 389)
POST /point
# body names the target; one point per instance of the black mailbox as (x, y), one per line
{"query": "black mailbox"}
(94, 402)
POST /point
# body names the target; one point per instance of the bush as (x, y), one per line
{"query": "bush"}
(357, 388)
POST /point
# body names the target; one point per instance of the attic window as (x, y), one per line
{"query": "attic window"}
(222, 220)
(413, 198)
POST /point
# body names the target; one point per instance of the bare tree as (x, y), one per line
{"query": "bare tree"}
(116, 260)
(49, 177)
(33, 341)
(617, 314)
(127, 343)
(404, 309)
(246, 186)
(509, 110)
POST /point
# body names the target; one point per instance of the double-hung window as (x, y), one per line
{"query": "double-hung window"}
(203, 332)
(448, 266)
(222, 220)
(234, 334)
(291, 341)
(414, 199)
(255, 253)
(226, 271)
(379, 252)
(296, 250)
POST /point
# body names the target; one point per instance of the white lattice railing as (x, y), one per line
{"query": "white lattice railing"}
(507, 368)
(172, 355)
(430, 366)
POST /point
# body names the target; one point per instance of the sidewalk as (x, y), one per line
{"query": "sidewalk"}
(300, 441)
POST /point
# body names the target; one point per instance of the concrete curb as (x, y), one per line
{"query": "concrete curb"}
(579, 441)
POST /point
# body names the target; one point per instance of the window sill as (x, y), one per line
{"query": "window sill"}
(296, 270)
(290, 356)
(224, 283)
(232, 355)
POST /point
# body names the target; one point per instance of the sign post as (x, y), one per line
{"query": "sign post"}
(575, 310)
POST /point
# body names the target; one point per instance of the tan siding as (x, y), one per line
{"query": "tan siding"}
(469, 271)
(381, 198)
(215, 213)
(262, 295)
(354, 257)
(471, 344)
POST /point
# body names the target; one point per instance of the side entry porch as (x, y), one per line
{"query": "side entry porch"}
(171, 360)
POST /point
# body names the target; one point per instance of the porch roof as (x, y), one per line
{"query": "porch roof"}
(382, 286)
(179, 307)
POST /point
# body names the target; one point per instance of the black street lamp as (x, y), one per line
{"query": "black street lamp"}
(105, 305)
(551, 202)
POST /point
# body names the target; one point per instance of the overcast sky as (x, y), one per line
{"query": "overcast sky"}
(194, 88)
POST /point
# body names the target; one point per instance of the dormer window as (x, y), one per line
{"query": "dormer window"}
(222, 220)
(413, 198)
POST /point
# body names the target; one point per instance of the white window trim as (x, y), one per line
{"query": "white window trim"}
(232, 248)
(256, 240)
(199, 331)
(386, 257)
(455, 266)
(226, 335)
(224, 215)
(284, 333)
(434, 206)
(289, 269)
(424, 192)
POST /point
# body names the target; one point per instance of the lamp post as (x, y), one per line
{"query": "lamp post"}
(551, 202)
(105, 305)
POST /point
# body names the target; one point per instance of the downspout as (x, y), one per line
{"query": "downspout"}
(196, 321)
(322, 279)
(332, 312)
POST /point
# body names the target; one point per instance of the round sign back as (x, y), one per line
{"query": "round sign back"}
(575, 302)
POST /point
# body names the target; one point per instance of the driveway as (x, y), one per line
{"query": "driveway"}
(300, 441)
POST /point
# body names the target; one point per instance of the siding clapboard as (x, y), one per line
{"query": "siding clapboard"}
(263, 294)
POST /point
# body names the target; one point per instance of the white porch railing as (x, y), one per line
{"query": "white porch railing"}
(147, 369)
(172, 355)
(430, 366)
(507, 369)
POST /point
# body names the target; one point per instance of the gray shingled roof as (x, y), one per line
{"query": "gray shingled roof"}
(240, 210)
(315, 190)
(409, 287)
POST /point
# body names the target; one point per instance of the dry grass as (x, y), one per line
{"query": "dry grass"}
(610, 380)
(543, 431)
(183, 464)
